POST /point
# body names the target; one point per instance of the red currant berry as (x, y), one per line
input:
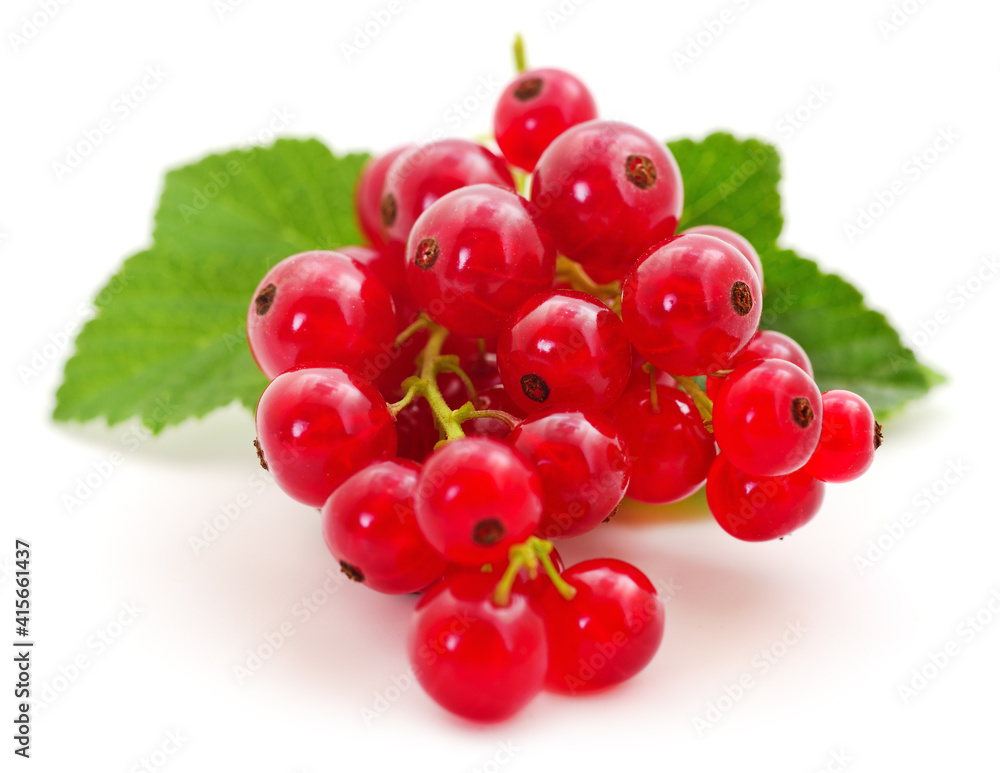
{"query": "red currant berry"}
(470, 349)
(607, 191)
(423, 174)
(608, 632)
(767, 417)
(368, 194)
(369, 526)
(670, 449)
(387, 264)
(758, 508)
(733, 239)
(582, 464)
(418, 434)
(320, 308)
(564, 347)
(318, 426)
(474, 256)
(765, 345)
(690, 304)
(478, 660)
(849, 438)
(534, 109)
(477, 497)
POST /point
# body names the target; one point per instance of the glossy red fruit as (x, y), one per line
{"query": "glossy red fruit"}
(476, 255)
(369, 526)
(758, 508)
(417, 432)
(848, 440)
(469, 349)
(478, 660)
(767, 416)
(582, 464)
(736, 240)
(320, 308)
(534, 109)
(477, 497)
(607, 633)
(690, 304)
(368, 194)
(607, 191)
(423, 174)
(670, 450)
(318, 426)
(765, 345)
(394, 363)
(386, 263)
(564, 346)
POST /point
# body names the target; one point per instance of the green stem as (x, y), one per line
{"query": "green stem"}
(415, 388)
(450, 364)
(520, 58)
(700, 399)
(542, 549)
(469, 411)
(423, 321)
(508, 419)
(654, 395)
(428, 375)
(521, 556)
(531, 554)
(573, 273)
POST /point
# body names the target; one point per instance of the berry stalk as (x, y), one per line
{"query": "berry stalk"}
(530, 554)
(429, 366)
(520, 57)
(425, 384)
(700, 399)
(469, 411)
(573, 274)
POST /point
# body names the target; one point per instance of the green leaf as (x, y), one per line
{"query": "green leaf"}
(169, 337)
(733, 183)
(850, 346)
(169, 341)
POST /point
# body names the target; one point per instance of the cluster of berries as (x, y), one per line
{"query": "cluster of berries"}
(495, 370)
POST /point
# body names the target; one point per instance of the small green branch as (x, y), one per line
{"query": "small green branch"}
(700, 399)
(575, 276)
(449, 363)
(469, 411)
(413, 387)
(654, 395)
(422, 322)
(443, 413)
(530, 554)
(520, 58)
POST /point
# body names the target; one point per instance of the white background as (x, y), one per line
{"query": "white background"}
(832, 696)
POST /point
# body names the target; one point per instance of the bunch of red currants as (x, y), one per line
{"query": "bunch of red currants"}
(496, 370)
